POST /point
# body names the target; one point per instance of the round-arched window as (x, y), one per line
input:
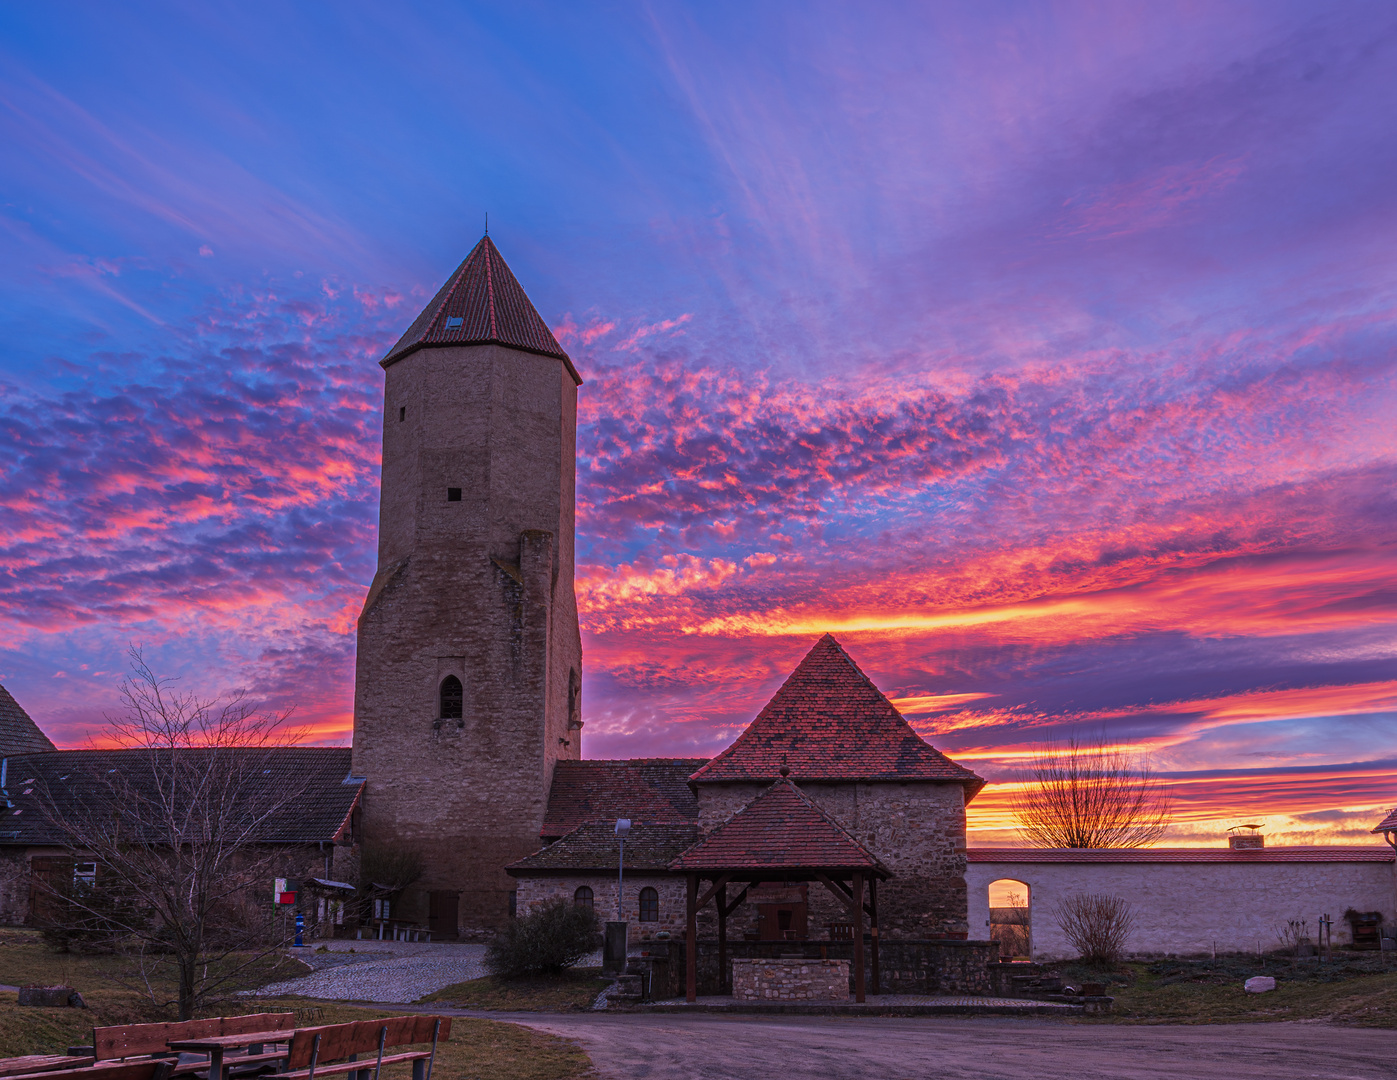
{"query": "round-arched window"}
(582, 897)
(452, 698)
(649, 905)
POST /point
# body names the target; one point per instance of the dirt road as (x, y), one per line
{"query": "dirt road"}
(980, 1048)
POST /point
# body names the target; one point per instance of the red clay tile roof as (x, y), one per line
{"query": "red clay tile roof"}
(18, 733)
(1389, 823)
(481, 304)
(1179, 855)
(643, 789)
(649, 846)
(781, 829)
(829, 722)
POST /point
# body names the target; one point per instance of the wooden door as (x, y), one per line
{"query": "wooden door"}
(442, 914)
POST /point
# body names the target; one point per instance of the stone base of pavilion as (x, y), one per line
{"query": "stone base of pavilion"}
(874, 1005)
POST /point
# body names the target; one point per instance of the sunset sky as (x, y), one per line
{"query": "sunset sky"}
(1046, 354)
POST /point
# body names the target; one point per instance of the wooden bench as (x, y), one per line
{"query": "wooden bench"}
(153, 1040)
(32, 1063)
(148, 1069)
(334, 1048)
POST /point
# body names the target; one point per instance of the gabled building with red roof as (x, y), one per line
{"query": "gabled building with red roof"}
(828, 775)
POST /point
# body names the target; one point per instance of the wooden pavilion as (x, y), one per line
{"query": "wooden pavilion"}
(781, 836)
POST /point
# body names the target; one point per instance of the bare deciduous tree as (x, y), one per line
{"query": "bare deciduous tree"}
(1094, 796)
(1096, 925)
(181, 828)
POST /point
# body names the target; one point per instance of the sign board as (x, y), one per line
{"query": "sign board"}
(284, 890)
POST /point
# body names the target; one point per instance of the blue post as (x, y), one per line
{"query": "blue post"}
(300, 927)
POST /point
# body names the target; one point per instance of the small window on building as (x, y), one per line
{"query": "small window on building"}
(454, 323)
(453, 494)
(402, 413)
(649, 905)
(582, 897)
(85, 873)
(452, 698)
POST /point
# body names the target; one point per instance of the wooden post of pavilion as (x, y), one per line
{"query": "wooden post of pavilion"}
(722, 938)
(857, 912)
(873, 920)
(691, 943)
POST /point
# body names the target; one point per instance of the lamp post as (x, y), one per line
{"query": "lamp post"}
(623, 826)
(614, 949)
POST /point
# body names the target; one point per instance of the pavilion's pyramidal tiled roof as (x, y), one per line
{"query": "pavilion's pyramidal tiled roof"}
(644, 789)
(649, 846)
(18, 733)
(828, 722)
(1389, 823)
(482, 303)
(781, 829)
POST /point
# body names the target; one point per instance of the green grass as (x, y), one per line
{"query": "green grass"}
(24, 959)
(567, 992)
(1350, 990)
(478, 1049)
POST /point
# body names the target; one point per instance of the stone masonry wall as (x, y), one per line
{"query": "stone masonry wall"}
(790, 980)
(1184, 908)
(481, 589)
(905, 966)
(916, 829)
(535, 890)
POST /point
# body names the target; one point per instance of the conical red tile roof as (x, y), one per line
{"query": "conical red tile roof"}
(482, 303)
(781, 829)
(829, 722)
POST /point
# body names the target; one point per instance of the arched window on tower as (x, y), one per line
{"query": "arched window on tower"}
(649, 905)
(582, 897)
(452, 698)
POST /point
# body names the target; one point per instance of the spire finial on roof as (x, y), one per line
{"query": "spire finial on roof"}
(785, 769)
(487, 222)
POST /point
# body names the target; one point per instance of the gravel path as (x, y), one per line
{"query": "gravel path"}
(387, 971)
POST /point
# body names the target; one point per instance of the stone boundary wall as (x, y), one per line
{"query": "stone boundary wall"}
(1187, 908)
(790, 980)
(941, 966)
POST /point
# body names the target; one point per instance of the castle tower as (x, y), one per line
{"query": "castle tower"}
(468, 679)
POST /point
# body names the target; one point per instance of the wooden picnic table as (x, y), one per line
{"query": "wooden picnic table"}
(32, 1063)
(216, 1046)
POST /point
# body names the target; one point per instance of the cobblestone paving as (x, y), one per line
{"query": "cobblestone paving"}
(389, 971)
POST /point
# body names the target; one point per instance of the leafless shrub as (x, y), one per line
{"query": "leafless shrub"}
(1096, 925)
(178, 834)
(1294, 937)
(1094, 796)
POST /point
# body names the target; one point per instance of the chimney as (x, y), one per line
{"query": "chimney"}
(1240, 837)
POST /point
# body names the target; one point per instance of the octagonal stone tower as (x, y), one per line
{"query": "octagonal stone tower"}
(468, 678)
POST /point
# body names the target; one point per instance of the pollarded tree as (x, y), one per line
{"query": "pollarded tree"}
(179, 827)
(1096, 796)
